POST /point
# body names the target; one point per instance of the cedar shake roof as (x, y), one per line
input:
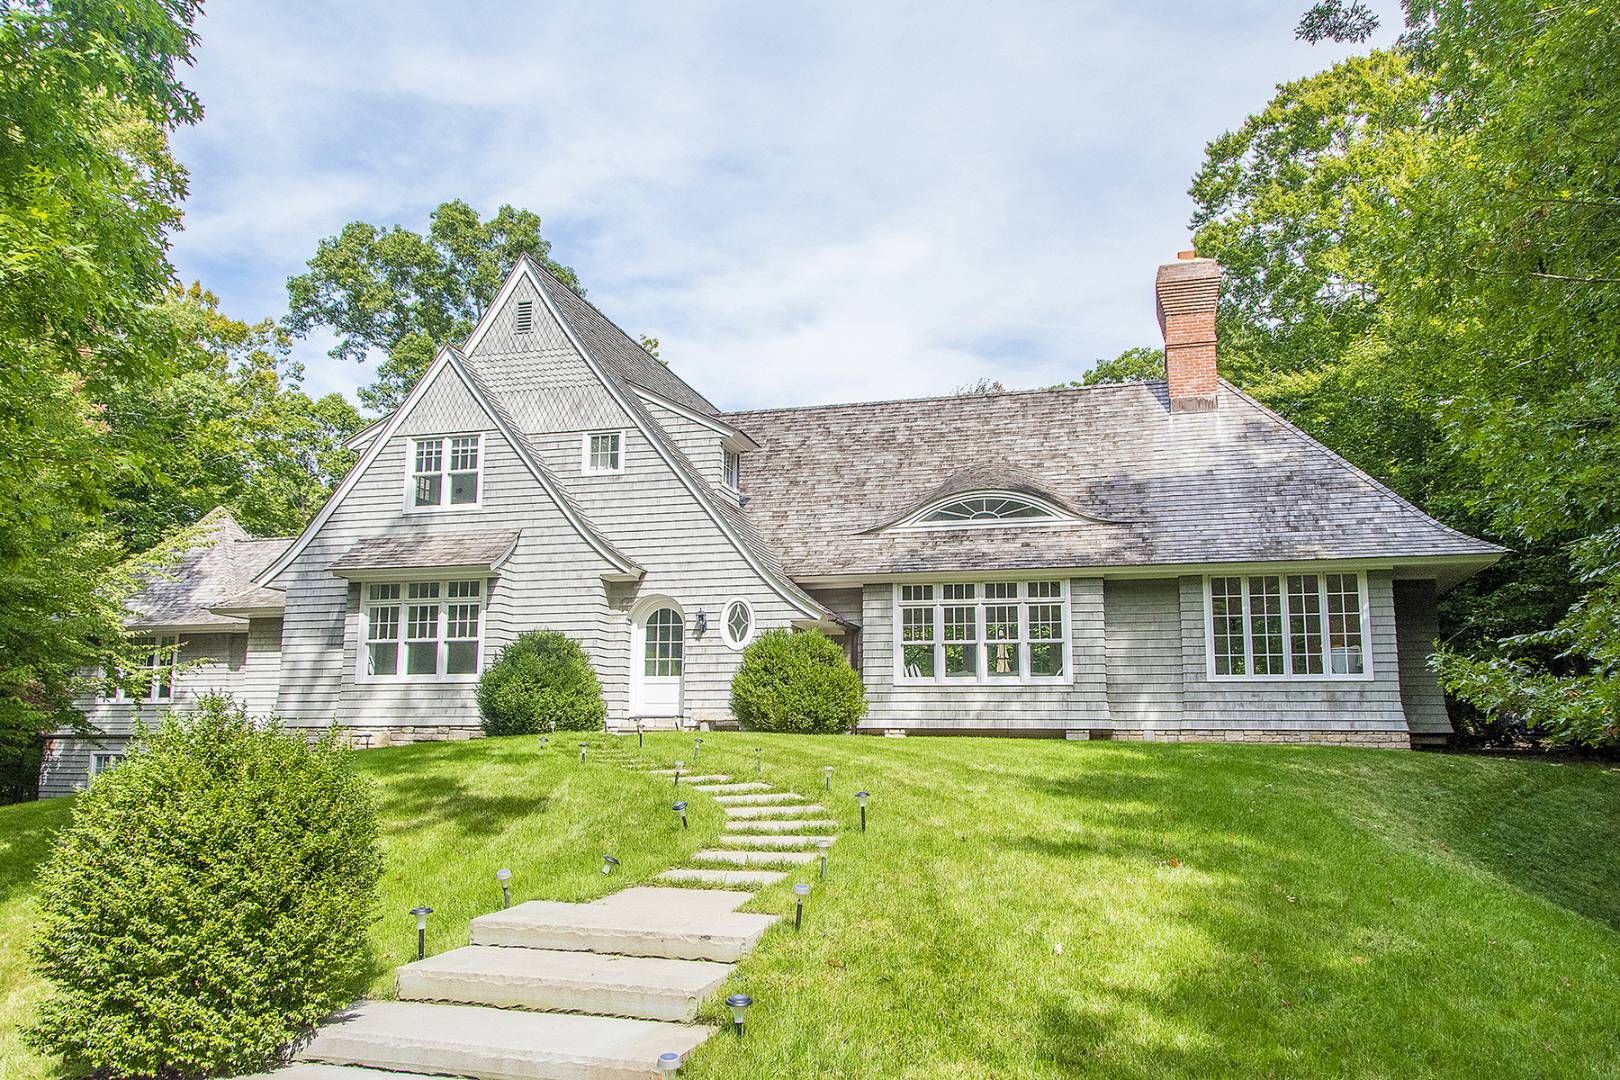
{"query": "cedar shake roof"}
(220, 568)
(425, 551)
(1236, 484)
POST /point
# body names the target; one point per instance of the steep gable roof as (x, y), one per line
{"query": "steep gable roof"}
(453, 360)
(1237, 484)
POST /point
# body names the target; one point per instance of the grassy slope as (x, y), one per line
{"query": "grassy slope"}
(1222, 910)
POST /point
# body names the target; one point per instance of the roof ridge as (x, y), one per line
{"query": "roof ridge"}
(949, 397)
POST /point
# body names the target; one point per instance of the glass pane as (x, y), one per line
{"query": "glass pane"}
(1226, 617)
(463, 488)
(985, 509)
(461, 658)
(738, 621)
(429, 456)
(422, 658)
(422, 622)
(1046, 658)
(423, 590)
(916, 592)
(1045, 622)
(961, 661)
(1001, 590)
(917, 624)
(384, 592)
(957, 592)
(382, 658)
(1266, 625)
(1003, 659)
(464, 453)
(1001, 622)
(461, 621)
(1305, 624)
(1344, 624)
(428, 489)
(665, 630)
(1045, 590)
(919, 661)
(382, 624)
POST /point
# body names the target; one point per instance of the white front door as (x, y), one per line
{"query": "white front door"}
(660, 647)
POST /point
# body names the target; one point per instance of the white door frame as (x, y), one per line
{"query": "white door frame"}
(656, 704)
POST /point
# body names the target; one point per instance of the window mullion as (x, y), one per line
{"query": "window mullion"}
(1248, 643)
(1323, 618)
(1287, 624)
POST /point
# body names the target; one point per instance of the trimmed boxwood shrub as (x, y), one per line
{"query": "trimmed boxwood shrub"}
(208, 901)
(541, 677)
(796, 681)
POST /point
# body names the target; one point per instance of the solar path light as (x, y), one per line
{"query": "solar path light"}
(824, 844)
(544, 742)
(582, 747)
(641, 735)
(421, 914)
(861, 797)
(608, 863)
(759, 761)
(826, 778)
(679, 765)
(668, 1065)
(800, 891)
(680, 808)
(504, 876)
(697, 746)
(739, 1005)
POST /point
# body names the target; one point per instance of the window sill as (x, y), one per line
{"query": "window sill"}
(1364, 677)
(416, 680)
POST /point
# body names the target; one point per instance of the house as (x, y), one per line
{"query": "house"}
(1158, 560)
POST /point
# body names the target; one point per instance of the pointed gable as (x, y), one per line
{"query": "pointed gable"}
(448, 405)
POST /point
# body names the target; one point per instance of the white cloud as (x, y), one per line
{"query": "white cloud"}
(828, 202)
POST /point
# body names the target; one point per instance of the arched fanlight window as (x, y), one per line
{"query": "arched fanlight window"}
(981, 509)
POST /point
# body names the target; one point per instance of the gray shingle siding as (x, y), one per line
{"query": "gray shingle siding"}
(1142, 631)
(1417, 625)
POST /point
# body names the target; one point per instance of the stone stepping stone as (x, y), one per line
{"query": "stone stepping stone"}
(315, 1070)
(548, 980)
(745, 813)
(804, 840)
(758, 799)
(676, 924)
(746, 878)
(498, 1044)
(755, 858)
(788, 826)
(695, 780)
(749, 785)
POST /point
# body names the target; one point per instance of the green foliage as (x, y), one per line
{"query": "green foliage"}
(796, 682)
(1136, 364)
(209, 900)
(542, 679)
(405, 294)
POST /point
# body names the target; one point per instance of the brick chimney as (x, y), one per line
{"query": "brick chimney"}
(1187, 291)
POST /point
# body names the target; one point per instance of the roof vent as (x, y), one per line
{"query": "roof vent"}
(524, 321)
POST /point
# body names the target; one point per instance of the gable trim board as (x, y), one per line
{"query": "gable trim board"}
(624, 568)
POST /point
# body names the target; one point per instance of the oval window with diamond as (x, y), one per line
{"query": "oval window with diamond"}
(738, 623)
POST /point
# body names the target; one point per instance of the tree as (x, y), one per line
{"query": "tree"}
(232, 427)
(88, 191)
(1137, 364)
(405, 294)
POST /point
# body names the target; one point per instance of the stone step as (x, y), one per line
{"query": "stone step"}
(789, 826)
(498, 1044)
(807, 840)
(315, 1070)
(758, 799)
(717, 779)
(745, 878)
(550, 980)
(729, 789)
(677, 924)
(755, 858)
(785, 811)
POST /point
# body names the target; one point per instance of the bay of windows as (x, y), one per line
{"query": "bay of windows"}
(1287, 625)
(445, 471)
(423, 630)
(982, 632)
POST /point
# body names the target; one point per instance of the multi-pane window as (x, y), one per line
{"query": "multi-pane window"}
(731, 470)
(603, 452)
(984, 510)
(662, 652)
(423, 629)
(1287, 625)
(153, 678)
(990, 632)
(101, 762)
(445, 471)
(738, 623)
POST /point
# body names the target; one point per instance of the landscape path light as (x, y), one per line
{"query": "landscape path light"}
(679, 765)
(697, 747)
(544, 742)
(680, 808)
(826, 777)
(759, 761)
(824, 843)
(739, 1005)
(669, 1064)
(421, 914)
(641, 735)
(861, 797)
(582, 747)
(800, 891)
(608, 863)
(504, 876)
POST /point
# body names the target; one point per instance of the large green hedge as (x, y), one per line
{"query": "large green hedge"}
(209, 900)
(799, 682)
(541, 678)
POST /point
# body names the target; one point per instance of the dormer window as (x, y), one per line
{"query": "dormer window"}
(731, 470)
(445, 472)
(523, 318)
(603, 452)
(991, 508)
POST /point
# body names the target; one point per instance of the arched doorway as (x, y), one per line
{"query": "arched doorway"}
(657, 660)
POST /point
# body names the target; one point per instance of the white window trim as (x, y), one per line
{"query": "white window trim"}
(120, 695)
(916, 520)
(1366, 673)
(585, 452)
(105, 761)
(983, 678)
(725, 626)
(727, 454)
(444, 505)
(439, 677)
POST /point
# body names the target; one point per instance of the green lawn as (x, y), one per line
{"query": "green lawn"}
(1030, 908)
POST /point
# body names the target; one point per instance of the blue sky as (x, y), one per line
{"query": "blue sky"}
(806, 203)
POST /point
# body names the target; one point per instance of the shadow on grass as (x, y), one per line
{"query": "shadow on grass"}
(27, 834)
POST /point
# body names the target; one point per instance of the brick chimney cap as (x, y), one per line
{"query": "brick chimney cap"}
(1188, 254)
